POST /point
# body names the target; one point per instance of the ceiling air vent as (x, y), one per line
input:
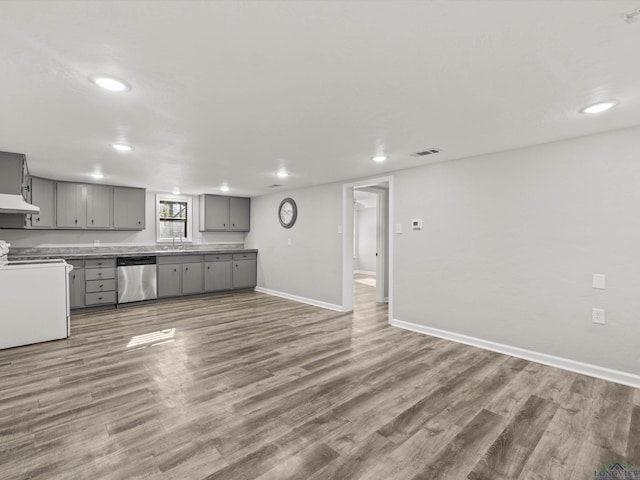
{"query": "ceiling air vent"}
(275, 185)
(424, 153)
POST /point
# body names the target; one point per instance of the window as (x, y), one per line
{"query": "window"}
(173, 219)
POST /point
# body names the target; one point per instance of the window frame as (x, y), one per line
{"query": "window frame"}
(165, 197)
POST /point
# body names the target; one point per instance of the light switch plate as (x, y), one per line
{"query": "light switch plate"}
(398, 228)
(598, 280)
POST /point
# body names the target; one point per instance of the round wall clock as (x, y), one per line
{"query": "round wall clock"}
(287, 212)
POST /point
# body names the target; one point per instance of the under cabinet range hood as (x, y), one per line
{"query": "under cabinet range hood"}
(16, 204)
(13, 182)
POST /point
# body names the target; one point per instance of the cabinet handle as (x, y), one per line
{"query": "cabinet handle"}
(74, 276)
(224, 224)
(91, 221)
(101, 286)
(175, 269)
(99, 273)
(75, 221)
(139, 222)
(99, 298)
(187, 269)
(38, 219)
(208, 268)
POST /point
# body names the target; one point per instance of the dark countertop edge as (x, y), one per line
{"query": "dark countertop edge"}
(158, 253)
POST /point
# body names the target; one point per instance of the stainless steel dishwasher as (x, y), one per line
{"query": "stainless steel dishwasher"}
(137, 279)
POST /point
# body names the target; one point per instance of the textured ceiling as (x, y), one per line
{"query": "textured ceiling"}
(232, 91)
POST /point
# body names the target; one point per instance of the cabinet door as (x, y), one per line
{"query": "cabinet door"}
(245, 273)
(191, 278)
(43, 196)
(129, 208)
(169, 280)
(218, 276)
(98, 206)
(239, 211)
(216, 213)
(71, 205)
(76, 288)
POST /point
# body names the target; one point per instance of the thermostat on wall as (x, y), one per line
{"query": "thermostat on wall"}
(416, 224)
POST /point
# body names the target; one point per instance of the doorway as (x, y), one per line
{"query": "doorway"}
(367, 244)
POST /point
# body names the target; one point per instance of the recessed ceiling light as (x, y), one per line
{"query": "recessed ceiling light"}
(121, 147)
(224, 188)
(110, 83)
(282, 174)
(599, 107)
(97, 175)
(176, 192)
(379, 158)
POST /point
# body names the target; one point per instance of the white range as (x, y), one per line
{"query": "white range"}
(34, 301)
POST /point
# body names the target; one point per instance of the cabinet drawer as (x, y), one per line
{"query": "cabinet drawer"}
(100, 273)
(100, 298)
(180, 259)
(222, 257)
(100, 262)
(245, 256)
(100, 286)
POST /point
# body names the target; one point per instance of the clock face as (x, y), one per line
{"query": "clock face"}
(287, 212)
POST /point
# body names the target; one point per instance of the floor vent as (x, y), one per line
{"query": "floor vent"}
(429, 151)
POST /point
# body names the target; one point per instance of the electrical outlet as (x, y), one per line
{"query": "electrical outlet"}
(96, 243)
(597, 315)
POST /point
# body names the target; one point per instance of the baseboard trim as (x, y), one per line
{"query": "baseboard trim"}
(365, 272)
(296, 298)
(603, 373)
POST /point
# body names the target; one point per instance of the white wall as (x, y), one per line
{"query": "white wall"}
(311, 267)
(366, 221)
(61, 238)
(510, 243)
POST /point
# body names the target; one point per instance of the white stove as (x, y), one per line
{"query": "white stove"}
(34, 301)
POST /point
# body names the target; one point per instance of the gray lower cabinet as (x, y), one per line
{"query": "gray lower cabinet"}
(191, 278)
(100, 281)
(129, 208)
(169, 280)
(245, 269)
(180, 275)
(218, 272)
(76, 284)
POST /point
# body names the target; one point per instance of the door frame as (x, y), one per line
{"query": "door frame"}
(347, 239)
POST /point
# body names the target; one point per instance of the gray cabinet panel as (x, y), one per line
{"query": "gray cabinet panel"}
(129, 208)
(12, 170)
(214, 213)
(98, 206)
(191, 278)
(71, 205)
(239, 213)
(76, 288)
(218, 276)
(245, 273)
(169, 280)
(43, 196)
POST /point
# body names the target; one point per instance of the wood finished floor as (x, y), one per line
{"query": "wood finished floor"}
(250, 386)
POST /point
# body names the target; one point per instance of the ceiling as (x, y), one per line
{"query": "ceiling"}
(231, 91)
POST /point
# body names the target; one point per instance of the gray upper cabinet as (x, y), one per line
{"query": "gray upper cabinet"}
(214, 213)
(128, 208)
(42, 195)
(71, 205)
(224, 214)
(99, 206)
(239, 213)
(13, 168)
